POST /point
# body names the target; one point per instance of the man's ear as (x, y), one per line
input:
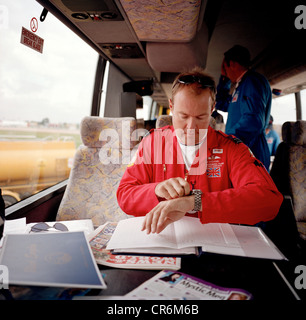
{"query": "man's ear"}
(212, 108)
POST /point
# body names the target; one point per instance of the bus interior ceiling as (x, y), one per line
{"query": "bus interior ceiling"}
(155, 40)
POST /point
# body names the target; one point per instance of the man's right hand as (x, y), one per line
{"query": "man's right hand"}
(172, 188)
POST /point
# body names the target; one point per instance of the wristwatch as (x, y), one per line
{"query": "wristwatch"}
(197, 200)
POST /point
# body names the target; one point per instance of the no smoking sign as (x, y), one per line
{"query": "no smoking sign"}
(30, 39)
(34, 24)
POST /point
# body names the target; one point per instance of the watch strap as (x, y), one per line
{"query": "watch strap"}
(197, 200)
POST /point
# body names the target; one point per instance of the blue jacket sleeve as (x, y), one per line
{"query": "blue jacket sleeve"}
(276, 142)
(255, 103)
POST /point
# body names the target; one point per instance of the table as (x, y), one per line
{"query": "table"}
(258, 276)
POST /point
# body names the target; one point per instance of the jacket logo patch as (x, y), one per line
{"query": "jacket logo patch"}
(214, 172)
(213, 157)
(214, 166)
(235, 97)
(217, 151)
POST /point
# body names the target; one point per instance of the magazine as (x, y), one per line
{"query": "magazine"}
(188, 234)
(175, 285)
(99, 239)
(55, 259)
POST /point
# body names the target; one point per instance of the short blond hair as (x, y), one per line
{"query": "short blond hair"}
(195, 86)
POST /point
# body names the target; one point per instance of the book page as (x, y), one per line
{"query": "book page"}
(220, 238)
(128, 234)
(223, 238)
(99, 238)
(191, 232)
(246, 241)
(256, 244)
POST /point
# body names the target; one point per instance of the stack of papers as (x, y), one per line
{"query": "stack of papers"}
(19, 226)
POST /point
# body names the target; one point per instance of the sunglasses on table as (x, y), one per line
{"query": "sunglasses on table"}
(190, 79)
(43, 226)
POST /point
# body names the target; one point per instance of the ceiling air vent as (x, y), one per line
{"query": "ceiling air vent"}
(103, 10)
(121, 50)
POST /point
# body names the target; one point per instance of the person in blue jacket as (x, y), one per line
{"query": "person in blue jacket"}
(246, 96)
(272, 137)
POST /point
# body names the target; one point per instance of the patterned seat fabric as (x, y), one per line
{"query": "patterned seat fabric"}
(163, 120)
(288, 170)
(97, 170)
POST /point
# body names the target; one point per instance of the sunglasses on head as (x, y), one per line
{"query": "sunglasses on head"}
(42, 226)
(189, 79)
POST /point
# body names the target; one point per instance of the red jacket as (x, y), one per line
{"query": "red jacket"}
(236, 187)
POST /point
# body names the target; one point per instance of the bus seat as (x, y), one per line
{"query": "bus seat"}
(163, 120)
(98, 166)
(288, 170)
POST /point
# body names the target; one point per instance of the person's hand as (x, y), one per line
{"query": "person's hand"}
(172, 188)
(167, 212)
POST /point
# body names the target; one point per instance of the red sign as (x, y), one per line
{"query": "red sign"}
(34, 24)
(31, 40)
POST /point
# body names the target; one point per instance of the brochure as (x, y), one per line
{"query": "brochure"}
(176, 285)
(56, 259)
(99, 239)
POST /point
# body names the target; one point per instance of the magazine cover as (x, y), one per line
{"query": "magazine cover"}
(169, 284)
(99, 239)
(56, 259)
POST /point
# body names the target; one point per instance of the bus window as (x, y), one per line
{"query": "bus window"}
(43, 97)
(284, 109)
(145, 112)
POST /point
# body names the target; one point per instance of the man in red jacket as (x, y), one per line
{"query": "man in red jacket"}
(191, 169)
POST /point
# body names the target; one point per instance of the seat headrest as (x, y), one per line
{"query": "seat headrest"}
(163, 120)
(286, 131)
(118, 133)
(294, 132)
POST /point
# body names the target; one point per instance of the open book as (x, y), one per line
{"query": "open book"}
(188, 235)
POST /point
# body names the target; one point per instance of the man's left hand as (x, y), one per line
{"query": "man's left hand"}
(167, 212)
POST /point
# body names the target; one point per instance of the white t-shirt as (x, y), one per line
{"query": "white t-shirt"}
(189, 152)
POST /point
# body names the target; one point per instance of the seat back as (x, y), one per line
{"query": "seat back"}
(97, 170)
(288, 169)
(163, 120)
